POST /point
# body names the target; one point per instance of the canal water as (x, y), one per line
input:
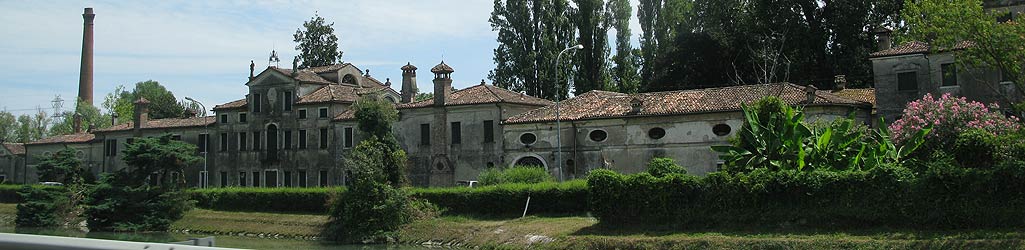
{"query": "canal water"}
(220, 241)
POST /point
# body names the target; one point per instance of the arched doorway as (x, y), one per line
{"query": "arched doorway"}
(272, 142)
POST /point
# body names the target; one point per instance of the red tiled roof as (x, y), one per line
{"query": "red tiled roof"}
(241, 103)
(72, 138)
(15, 148)
(481, 94)
(915, 47)
(348, 115)
(330, 93)
(164, 123)
(306, 75)
(442, 68)
(604, 104)
(867, 95)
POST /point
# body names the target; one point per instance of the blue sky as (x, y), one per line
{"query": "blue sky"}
(202, 49)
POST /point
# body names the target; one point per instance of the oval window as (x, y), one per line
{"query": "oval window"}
(656, 133)
(439, 166)
(598, 135)
(721, 129)
(528, 138)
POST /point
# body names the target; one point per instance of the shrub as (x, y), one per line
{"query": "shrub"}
(112, 207)
(9, 193)
(660, 167)
(509, 199)
(975, 148)
(368, 212)
(516, 174)
(491, 176)
(254, 199)
(949, 116)
(39, 208)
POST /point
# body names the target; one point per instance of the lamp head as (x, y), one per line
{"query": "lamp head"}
(578, 46)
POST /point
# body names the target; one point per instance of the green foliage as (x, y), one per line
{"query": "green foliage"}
(375, 116)
(369, 211)
(592, 67)
(90, 115)
(380, 155)
(119, 103)
(8, 127)
(64, 167)
(944, 196)
(976, 147)
(32, 127)
(624, 73)
(287, 200)
(530, 37)
(317, 44)
(516, 174)
(424, 96)
(840, 145)
(38, 207)
(660, 167)
(163, 103)
(9, 192)
(509, 199)
(144, 196)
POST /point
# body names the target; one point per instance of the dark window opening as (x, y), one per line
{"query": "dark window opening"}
(224, 118)
(322, 112)
(949, 72)
(489, 131)
(302, 178)
(656, 133)
(256, 141)
(256, 103)
(721, 129)
(224, 142)
(348, 137)
(242, 141)
(241, 179)
(271, 179)
(530, 161)
(288, 139)
(288, 178)
(323, 138)
(907, 81)
(256, 179)
(457, 133)
(425, 134)
(224, 179)
(203, 143)
(286, 100)
(242, 118)
(302, 114)
(302, 139)
(528, 138)
(598, 135)
(323, 178)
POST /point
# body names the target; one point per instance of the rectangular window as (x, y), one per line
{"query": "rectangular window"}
(323, 138)
(348, 137)
(242, 118)
(949, 72)
(457, 133)
(256, 103)
(256, 140)
(288, 178)
(302, 178)
(110, 147)
(907, 81)
(286, 100)
(241, 179)
(425, 134)
(322, 112)
(224, 142)
(176, 137)
(1005, 77)
(203, 143)
(256, 179)
(203, 179)
(270, 178)
(242, 141)
(302, 113)
(489, 131)
(323, 178)
(302, 139)
(288, 139)
(224, 118)
(224, 179)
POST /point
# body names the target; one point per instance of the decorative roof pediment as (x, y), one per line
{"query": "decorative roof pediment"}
(270, 76)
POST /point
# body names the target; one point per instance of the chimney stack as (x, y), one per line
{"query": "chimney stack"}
(809, 92)
(442, 83)
(883, 40)
(408, 83)
(85, 77)
(635, 105)
(141, 113)
(77, 123)
(840, 82)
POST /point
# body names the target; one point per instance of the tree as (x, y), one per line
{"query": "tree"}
(32, 127)
(624, 73)
(592, 67)
(64, 167)
(381, 152)
(946, 24)
(119, 104)
(317, 44)
(8, 127)
(163, 103)
(91, 117)
(531, 33)
(660, 21)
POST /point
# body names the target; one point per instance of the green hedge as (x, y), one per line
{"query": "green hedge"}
(939, 198)
(9, 192)
(509, 199)
(498, 200)
(255, 199)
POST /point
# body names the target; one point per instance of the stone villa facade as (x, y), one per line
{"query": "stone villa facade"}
(294, 128)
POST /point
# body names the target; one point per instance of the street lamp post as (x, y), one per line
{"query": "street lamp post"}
(205, 178)
(558, 117)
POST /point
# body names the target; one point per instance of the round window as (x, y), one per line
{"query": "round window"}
(656, 133)
(528, 138)
(598, 135)
(721, 129)
(439, 166)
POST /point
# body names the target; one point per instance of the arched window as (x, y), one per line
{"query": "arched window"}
(349, 79)
(530, 161)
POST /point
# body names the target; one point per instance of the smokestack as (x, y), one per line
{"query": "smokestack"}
(85, 78)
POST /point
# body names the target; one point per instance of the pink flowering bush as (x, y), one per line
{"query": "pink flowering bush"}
(949, 116)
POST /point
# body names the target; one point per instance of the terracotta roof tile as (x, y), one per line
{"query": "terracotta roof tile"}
(348, 115)
(306, 75)
(15, 148)
(604, 104)
(330, 93)
(72, 138)
(481, 94)
(915, 47)
(241, 103)
(442, 68)
(164, 123)
(867, 95)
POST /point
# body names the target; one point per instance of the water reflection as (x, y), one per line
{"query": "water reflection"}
(221, 241)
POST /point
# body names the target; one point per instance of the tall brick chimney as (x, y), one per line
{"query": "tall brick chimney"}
(442, 83)
(408, 83)
(85, 77)
(141, 114)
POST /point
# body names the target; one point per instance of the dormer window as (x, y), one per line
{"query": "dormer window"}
(349, 79)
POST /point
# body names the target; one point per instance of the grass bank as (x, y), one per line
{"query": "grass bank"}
(267, 225)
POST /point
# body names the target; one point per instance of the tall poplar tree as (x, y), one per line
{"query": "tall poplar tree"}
(531, 33)
(593, 33)
(660, 22)
(624, 73)
(317, 44)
